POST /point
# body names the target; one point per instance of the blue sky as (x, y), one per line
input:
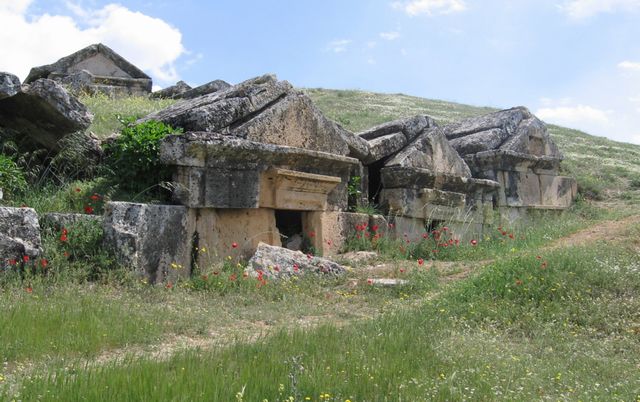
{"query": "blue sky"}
(572, 62)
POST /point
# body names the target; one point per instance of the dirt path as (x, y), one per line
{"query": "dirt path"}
(602, 231)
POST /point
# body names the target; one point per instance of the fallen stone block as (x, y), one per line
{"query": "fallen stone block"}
(19, 234)
(153, 240)
(271, 262)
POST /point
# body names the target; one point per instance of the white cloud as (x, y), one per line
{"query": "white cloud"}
(338, 46)
(150, 43)
(390, 35)
(372, 44)
(583, 9)
(579, 116)
(629, 65)
(430, 7)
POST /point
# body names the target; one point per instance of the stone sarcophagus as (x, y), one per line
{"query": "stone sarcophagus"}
(513, 148)
(96, 68)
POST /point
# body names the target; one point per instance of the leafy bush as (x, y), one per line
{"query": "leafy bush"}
(12, 179)
(133, 157)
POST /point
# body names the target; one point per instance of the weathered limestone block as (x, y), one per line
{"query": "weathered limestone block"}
(217, 111)
(154, 240)
(172, 92)
(280, 263)
(505, 120)
(431, 150)
(217, 171)
(19, 234)
(9, 85)
(296, 122)
(403, 177)
(263, 110)
(45, 112)
(205, 89)
(558, 191)
(220, 233)
(424, 203)
(411, 127)
(479, 142)
(385, 146)
(101, 70)
(333, 229)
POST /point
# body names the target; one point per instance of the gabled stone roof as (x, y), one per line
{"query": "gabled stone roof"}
(62, 65)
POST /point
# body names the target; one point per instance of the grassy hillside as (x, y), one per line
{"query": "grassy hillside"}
(605, 169)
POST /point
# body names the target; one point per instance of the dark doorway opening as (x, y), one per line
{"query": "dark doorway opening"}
(289, 224)
(375, 181)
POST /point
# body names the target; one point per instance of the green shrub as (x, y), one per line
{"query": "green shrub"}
(133, 158)
(12, 179)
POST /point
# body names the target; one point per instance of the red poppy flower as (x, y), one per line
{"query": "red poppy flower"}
(66, 254)
(329, 242)
(215, 272)
(63, 237)
(169, 285)
(518, 282)
(88, 209)
(370, 281)
(44, 263)
(504, 233)
(312, 234)
(474, 242)
(233, 277)
(402, 270)
(12, 262)
(29, 289)
(425, 235)
(234, 245)
(77, 190)
(420, 261)
(205, 277)
(375, 228)
(511, 235)
(95, 197)
(444, 229)
(538, 257)
(392, 225)
(25, 258)
(296, 268)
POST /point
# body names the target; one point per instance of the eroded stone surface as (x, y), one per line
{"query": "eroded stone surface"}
(264, 110)
(9, 85)
(278, 263)
(19, 234)
(172, 92)
(45, 112)
(96, 68)
(155, 240)
(208, 88)
(431, 150)
(514, 130)
(410, 127)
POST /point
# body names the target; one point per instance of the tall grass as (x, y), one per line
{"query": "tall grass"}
(107, 111)
(568, 331)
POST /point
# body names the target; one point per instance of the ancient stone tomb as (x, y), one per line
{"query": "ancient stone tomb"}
(95, 68)
(260, 163)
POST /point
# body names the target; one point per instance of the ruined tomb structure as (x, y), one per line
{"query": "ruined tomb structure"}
(260, 163)
(93, 69)
(513, 148)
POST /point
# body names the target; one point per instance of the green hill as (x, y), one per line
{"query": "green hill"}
(605, 169)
